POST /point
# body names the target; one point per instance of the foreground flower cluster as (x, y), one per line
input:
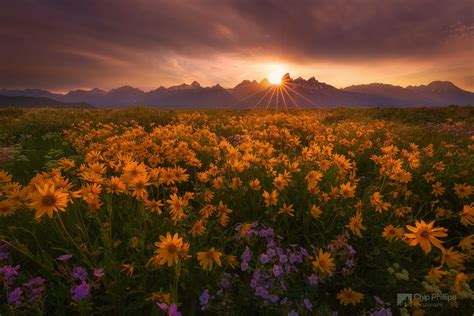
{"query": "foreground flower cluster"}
(276, 213)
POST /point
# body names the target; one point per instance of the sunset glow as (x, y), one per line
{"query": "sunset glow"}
(275, 77)
(241, 157)
(166, 43)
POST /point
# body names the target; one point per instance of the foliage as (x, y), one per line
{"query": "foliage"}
(232, 212)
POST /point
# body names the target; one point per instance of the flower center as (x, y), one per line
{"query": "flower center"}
(425, 234)
(171, 248)
(49, 200)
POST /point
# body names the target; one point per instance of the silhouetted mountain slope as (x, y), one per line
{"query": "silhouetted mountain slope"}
(437, 93)
(190, 96)
(37, 93)
(38, 102)
(94, 96)
(249, 94)
(247, 89)
(308, 93)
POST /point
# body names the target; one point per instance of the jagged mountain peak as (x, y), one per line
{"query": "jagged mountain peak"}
(286, 77)
(246, 82)
(125, 88)
(443, 85)
(306, 92)
(185, 86)
(83, 91)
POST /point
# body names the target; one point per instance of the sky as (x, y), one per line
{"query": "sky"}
(68, 44)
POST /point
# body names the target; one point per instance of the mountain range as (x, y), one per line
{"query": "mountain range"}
(39, 102)
(249, 94)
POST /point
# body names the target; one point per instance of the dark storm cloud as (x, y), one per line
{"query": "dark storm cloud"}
(61, 44)
(360, 29)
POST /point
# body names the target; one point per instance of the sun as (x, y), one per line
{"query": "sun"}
(275, 76)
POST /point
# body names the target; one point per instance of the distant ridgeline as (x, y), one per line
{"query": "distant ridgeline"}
(39, 102)
(247, 94)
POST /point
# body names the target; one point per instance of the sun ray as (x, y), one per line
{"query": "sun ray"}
(283, 98)
(271, 98)
(277, 99)
(262, 98)
(252, 95)
(289, 96)
(304, 97)
(292, 99)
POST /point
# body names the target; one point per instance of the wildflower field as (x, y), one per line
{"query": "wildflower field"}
(315, 212)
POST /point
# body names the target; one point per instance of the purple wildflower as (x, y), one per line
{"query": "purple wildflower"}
(247, 254)
(163, 306)
(34, 289)
(261, 291)
(9, 273)
(34, 282)
(257, 274)
(14, 297)
(307, 304)
(293, 313)
(79, 273)
(204, 299)
(173, 310)
(255, 278)
(264, 258)
(266, 232)
(271, 253)
(64, 258)
(313, 279)
(351, 250)
(283, 259)
(277, 270)
(80, 292)
(244, 266)
(271, 243)
(273, 298)
(99, 272)
(253, 283)
(296, 258)
(378, 300)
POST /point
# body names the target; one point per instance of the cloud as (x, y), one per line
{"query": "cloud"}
(62, 44)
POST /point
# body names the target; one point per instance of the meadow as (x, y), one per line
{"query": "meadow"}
(220, 212)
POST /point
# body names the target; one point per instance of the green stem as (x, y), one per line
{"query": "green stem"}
(176, 281)
(66, 232)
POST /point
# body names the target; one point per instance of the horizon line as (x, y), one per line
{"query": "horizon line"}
(88, 89)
